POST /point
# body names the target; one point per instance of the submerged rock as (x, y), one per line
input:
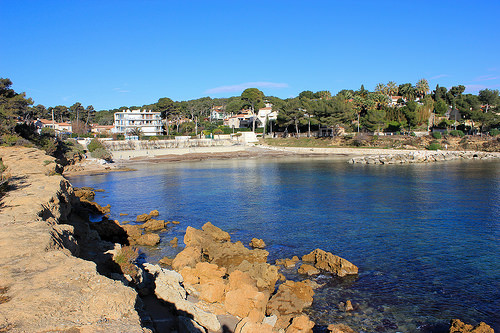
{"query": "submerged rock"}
(340, 328)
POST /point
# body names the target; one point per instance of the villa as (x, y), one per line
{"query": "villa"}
(147, 121)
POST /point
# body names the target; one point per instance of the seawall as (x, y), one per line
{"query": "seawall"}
(44, 285)
(423, 157)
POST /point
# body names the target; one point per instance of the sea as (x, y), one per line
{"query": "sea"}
(426, 237)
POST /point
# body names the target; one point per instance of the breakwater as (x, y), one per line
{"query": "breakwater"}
(423, 157)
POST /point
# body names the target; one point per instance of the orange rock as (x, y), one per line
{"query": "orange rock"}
(457, 326)
(340, 328)
(330, 262)
(300, 324)
(187, 257)
(308, 269)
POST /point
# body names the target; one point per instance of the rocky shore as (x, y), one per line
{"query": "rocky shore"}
(61, 273)
(423, 157)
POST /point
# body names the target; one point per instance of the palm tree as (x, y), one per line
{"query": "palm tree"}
(392, 88)
(381, 88)
(422, 87)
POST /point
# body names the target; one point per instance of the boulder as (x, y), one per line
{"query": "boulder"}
(190, 256)
(287, 263)
(153, 213)
(230, 255)
(291, 298)
(457, 326)
(300, 324)
(308, 270)
(264, 275)
(148, 240)
(154, 225)
(134, 232)
(169, 288)
(239, 302)
(216, 233)
(340, 328)
(174, 242)
(84, 193)
(142, 218)
(165, 261)
(330, 262)
(257, 243)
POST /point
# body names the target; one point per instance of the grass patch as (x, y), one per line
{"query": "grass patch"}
(125, 258)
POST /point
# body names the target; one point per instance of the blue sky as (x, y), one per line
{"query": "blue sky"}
(123, 53)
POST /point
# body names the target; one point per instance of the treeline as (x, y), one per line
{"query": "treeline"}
(390, 107)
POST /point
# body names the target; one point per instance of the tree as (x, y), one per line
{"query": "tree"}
(306, 94)
(392, 88)
(422, 87)
(374, 119)
(90, 115)
(167, 110)
(255, 99)
(77, 112)
(381, 88)
(489, 98)
(323, 94)
(291, 113)
(13, 106)
(440, 93)
(407, 91)
(440, 107)
(135, 131)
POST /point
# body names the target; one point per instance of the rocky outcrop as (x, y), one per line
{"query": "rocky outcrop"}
(257, 243)
(330, 262)
(48, 288)
(423, 157)
(457, 326)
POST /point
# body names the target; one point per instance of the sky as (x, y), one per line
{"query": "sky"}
(130, 53)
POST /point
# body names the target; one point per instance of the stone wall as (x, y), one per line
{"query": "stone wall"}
(44, 285)
(423, 157)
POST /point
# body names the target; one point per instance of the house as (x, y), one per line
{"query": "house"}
(57, 127)
(266, 113)
(147, 121)
(395, 99)
(242, 119)
(101, 129)
(217, 113)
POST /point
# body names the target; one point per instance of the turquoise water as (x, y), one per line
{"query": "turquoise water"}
(426, 238)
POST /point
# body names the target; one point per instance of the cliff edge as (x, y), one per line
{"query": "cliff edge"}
(44, 286)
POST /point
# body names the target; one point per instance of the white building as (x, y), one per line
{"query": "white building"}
(148, 121)
(266, 112)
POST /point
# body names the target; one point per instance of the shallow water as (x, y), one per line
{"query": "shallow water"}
(426, 238)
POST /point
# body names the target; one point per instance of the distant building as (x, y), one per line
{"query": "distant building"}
(101, 129)
(266, 113)
(57, 127)
(148, 121)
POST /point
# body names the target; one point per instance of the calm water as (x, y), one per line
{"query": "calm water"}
(426, 238)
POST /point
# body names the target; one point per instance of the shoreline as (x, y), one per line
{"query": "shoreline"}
(128, 158)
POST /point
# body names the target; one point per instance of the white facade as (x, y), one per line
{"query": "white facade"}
(268, 113)
(148, 121)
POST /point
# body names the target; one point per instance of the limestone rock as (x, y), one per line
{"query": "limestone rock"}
(165, 261)
(174, 242)
(457, 326)
(308, 270)
(154, 225)
(187, 257)
(148, 240)
(264, 275)
(300, 324)
(340, 328)
(154, 213)
(257, 243)
(330, 262)
(239, 302)
(142, 218)
(291, 298)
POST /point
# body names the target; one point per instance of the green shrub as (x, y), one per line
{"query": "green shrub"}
(47, 131)
(457, 133)
(102, 154)
(125, 258)
(412, 134)
(434, 146)
(436, 135)
(95, 144)
(10, 139)
(494, 131)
